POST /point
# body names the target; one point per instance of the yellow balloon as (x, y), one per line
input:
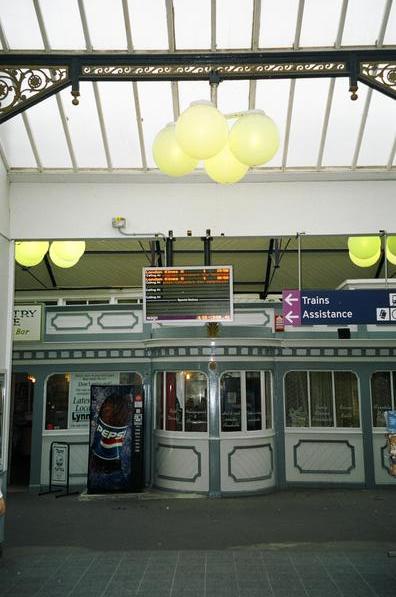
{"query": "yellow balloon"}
(391, 249)
(67, 250)
(364, 247)
(30, 253)
(201, 130)
(59, 261)
(169, 156)
(224, 167)
(254, 138)
(365, 262)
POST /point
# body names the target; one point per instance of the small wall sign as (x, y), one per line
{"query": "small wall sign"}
(27, 323)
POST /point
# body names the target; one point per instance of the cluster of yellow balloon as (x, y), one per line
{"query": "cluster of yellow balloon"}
(201, 133)
(364, 251)
(63, 253)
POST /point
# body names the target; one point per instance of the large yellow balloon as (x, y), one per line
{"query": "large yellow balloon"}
(201, 130)
(364, 247)
(169, 156)
(67, 250)
(225, 168)
(30, 253)
(365, 262)
(391, 249)
(254, 139)
(59, 260)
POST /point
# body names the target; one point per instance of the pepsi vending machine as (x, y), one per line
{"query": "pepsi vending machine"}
(115, 461)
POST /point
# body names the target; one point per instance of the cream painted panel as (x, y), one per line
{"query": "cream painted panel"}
(181, 464)
(324, 457)
(247, 463)
(84, 210)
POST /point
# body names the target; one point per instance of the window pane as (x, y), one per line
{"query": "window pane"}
(253, 400)
(196, 395)
(230, 392)
(296, 399)
(346, 399)
(174, 401)
(57, 401)
(159, 409)
(321, 399)
(381, 396)
(1, 418)
(268, 400)
(130, 378)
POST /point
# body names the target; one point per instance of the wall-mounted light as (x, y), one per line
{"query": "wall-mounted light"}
(202, 133)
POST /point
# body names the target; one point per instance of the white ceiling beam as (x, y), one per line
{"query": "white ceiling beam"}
(330, 95)
(3, 39)
(170, 23)
(139, 124)
(384, 24)
(102, 123)
(32, 141)
(41, 24)
(392, 156)
(254, 46)
(213, 25)
(290, 105)
(84, 23)
(4, 158)
(127, 22)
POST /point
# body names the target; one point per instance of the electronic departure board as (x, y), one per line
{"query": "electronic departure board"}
(188, 293)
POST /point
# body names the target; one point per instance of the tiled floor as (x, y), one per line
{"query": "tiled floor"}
(71, 572)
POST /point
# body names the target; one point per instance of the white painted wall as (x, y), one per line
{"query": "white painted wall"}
(6, 304)
(85, 209)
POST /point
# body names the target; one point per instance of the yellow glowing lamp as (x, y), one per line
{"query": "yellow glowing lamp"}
(59, 261)
(391, 249)
(201, 130)
(224, 167)
(68, 250)
(365, 262)
(254, 138)
(30, 253)
(169, 156)
(364, 247)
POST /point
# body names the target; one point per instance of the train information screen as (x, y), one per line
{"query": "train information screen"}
(188, 293)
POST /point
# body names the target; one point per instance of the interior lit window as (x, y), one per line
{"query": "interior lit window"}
(382, 395)
(246, 403)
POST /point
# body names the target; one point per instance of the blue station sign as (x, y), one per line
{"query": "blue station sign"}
(339, 307)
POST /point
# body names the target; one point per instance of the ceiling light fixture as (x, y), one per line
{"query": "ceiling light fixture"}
(64, 254)
(202, 133)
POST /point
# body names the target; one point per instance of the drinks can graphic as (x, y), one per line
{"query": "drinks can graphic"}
(116, 439)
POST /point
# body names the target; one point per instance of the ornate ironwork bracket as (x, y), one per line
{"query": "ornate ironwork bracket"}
(26, 79)
(380, 75)
(25, 85)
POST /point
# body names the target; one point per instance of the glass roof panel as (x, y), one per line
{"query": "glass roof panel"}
(63, 24)
(121, 127)
(307, 121)
(20, 25)
(152, 96)
(272, 97)
(233, 96)
(323, 12)
(344, 122)
(192, 91)
(363, 22)
(52, 148)
(380, 131)
(390, 34)
(234, 24)
(84, 128)
(148, 24)
(106, 27)
(192, 24)
(278, 23)
(16, 145)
